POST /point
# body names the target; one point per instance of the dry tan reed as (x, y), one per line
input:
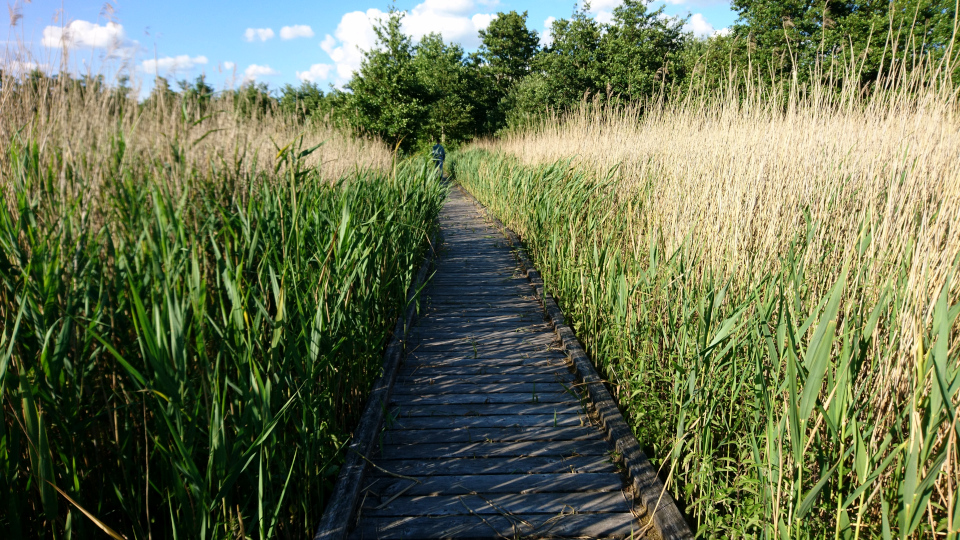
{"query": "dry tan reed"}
(215, 135)
(744, 175)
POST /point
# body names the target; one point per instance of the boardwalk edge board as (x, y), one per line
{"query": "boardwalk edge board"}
(651, 492)
(335, 523)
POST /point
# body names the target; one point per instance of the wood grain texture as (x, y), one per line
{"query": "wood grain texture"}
(484, 434)
(655, 500)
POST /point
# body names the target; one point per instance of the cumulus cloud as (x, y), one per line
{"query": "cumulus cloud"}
(254, 72)
(18, 67)
(296, 31)
(173, 64)
(604, 5)
(451, 18)
(353, 36)
(317, 72)
(546, 37)
(229, 66)
(456, 20)
(722, 32)
(83, 34)
(262, 34)
(602, 10)
(699, 26)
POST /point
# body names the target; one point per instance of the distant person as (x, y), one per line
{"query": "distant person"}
(438, 154)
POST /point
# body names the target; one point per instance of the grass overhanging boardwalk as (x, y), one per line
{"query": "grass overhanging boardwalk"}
(486, 435)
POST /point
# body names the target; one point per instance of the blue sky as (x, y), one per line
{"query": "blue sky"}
(275, 42)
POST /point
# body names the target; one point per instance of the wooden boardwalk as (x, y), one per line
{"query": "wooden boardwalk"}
(485, 435)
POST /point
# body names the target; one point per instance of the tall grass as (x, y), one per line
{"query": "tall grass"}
(769, 283)
(191, 317)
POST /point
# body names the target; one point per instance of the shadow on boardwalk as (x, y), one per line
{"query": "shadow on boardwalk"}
(485, 435)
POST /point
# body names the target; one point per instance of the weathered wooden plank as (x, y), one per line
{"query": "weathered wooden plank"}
(528, 503)
(485, 409)
(479, 371)
(513, 309)
(654, 498)
(491, 339)
(479, 282)
(460, 388)
(507, 465)
(494, 449)
(567, 419)
(494, 358)
(403, 434)
(506, 290)
(458, 377)
(610, 526)
(451, 326)
(506, 345)
(513, 397)
(480, 414)
(388, 486)
(485, 365)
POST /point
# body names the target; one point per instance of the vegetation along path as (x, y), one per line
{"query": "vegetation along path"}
(486, 435)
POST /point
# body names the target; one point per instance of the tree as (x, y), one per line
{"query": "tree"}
(507, 47)
(800, 35)
(304, 101)
(388, 98)
(572, 66)
(641, 48)
(196, 95)
(161, 97)
(447, 77)
(506, 52)
(253, 100)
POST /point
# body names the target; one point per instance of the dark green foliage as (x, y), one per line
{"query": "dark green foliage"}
(508, 48)
(304, 101)
(186, 352)
(388, 97)
(198, 94)
(641, 49)
(253, 100)
(449, 80)
(506, 53)
(573, 65)
(634, 57)
(797, 34)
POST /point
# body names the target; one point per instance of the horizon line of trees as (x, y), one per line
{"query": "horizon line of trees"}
(411, 94)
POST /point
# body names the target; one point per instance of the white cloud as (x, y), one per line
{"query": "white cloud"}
(83, 34)
(18, 67)
(315, 73)
(262, 34)
(604, 5)
(456, 20)
(449, 18)
(604, 17)
(546, 37)
(722, 32)
(353, 36)
(229, 66)
(254, 72)
(296, 31)
(172, 64)
(699, 26)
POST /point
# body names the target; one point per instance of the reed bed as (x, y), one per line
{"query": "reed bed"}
(768, 280)
(194, 305)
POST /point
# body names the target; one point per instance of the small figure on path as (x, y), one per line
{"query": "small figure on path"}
(438, 154)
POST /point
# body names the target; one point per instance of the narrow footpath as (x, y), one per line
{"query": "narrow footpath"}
(486, 436)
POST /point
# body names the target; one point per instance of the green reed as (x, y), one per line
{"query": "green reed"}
(756, 396)
(186, 351)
